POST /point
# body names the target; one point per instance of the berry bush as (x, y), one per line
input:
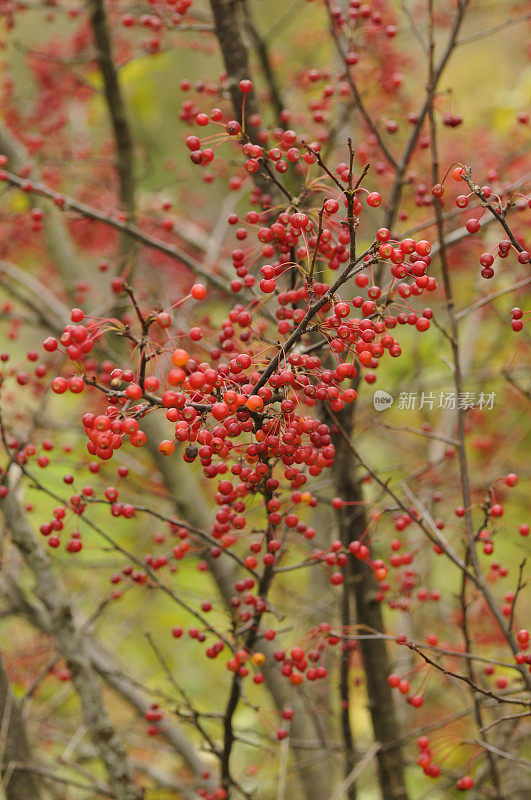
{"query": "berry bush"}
(263, 399)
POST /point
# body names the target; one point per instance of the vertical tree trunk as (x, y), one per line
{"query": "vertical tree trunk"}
(18, 784)
(115, 105)
(364, 587)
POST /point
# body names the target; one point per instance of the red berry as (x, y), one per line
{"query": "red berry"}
(246, 86)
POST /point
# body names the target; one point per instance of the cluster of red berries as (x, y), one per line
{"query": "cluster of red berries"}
(153, 715)
(365, 14)
(517, 322)
(307, 662)
(288, 149)
(55, 526)
(403, 686)
(77, 339)
(473, 225)
(164, 16)
(522, 637)
(425, 757)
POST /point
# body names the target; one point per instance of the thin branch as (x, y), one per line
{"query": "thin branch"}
(262, 51)
(495, 29)
(23, 768)
(479, 578)
(67, 203)
(417, 431)
(462, 7)
(356, 771)
(500, 216)
(486, 300)
(522, 761)
(466, 679)
(508, 718)
(356, 93)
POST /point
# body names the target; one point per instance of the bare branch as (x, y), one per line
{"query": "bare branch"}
(73, 649)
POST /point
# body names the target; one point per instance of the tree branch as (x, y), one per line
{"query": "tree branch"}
(73, 649)
(115, 105)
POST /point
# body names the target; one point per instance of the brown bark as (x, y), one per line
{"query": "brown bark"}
(228, 28)
(235, 54)
(364, 588)
(115, 105)
(18, 784)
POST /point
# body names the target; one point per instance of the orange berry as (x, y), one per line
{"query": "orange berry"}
(180, 358)
(258, 659)
(166, 447)
(255, 403)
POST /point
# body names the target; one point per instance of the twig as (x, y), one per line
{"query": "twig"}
(413, 139)
(495, 29)
(262, 50)
(520, 584)
(500, 217)
(356, 93)
(417, 431)
(283, 769)
(486, 300)
(509, 717)
(466, 679)
(522, 761)
(358, 769)
(98, 787)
